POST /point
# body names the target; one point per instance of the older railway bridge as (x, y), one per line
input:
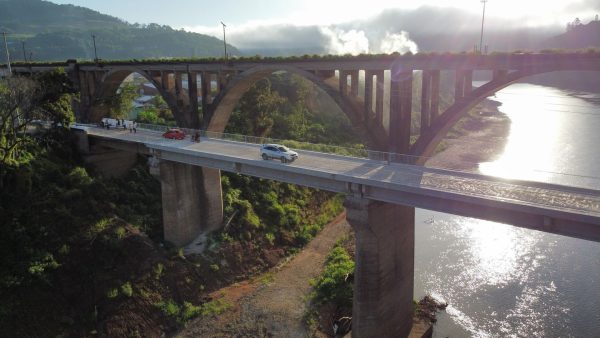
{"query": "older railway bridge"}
(385, 231)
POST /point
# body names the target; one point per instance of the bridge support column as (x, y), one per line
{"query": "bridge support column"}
(425, 100)
(192, 201)
(400, 112)
(435, 96)
(383, 278)
(368, 112)
(379, 88)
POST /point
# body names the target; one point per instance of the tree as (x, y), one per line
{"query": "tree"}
(121, 103)
(46, 97)
(18, 108)
(258, 106)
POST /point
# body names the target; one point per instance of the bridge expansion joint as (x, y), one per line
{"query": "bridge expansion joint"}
(355, 189)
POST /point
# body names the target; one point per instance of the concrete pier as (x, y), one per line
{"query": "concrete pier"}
(191, 201)
(383, 280)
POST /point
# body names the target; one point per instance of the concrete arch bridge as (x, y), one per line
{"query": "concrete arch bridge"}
(385, 231)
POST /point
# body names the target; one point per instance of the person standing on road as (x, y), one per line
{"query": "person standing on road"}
(134, 127)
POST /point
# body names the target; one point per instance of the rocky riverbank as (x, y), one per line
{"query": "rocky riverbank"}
(480, 137)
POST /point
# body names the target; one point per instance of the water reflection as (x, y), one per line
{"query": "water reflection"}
(501, 280)
(529, 152)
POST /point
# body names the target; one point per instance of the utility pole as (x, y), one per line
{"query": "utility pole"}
(224, 43)
(95, 51)
(482, 20)
(7, 54)
(24, 54)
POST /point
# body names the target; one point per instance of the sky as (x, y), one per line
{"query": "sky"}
(192, 13)
(348, 26)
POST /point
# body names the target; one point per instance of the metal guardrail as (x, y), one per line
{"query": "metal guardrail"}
(322, 148)
(384, 157)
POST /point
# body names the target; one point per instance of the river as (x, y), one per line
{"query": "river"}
(504, 281)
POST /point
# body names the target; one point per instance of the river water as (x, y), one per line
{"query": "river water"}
(504, 281)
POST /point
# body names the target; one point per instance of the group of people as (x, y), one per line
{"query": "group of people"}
(117, 123)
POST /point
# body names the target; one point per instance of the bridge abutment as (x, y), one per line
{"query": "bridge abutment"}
(383, 279)
(191, 201)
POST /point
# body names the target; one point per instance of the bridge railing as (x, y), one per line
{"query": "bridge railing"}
(468, 168)
(322, 148)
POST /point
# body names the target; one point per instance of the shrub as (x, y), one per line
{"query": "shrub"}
(159, 269)
(331, 286)
(112, 293)
(127, 290)
(169, 308)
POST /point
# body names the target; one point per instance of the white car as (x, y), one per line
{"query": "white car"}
(283, 153)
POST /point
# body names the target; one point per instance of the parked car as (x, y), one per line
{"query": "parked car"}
(174, 133)
(282, 153)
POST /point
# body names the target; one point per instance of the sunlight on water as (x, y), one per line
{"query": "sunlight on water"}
(529, 152)
(504, 281)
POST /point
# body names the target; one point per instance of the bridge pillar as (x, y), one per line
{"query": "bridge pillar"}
(425, 100)
(379, 88)
(191, 200)
(383, 277)
(368, 95)
(434, 108)
(400, 112)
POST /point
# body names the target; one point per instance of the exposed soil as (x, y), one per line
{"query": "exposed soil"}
(274, 304)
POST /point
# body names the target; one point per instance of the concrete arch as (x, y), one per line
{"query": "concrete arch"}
(428, 141)
(226, 101)
(110, 83)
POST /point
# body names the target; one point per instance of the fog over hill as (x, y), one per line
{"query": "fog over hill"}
(425, 29)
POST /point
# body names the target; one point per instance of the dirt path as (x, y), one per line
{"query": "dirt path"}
(272, 305)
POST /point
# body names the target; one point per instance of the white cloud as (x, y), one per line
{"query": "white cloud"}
(397, 42)
(345, 42)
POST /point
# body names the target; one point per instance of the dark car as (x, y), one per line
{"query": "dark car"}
(174, 133)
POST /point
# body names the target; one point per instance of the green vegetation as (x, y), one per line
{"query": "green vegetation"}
(286, 106)
(61, 32)
(64, 227)
(187, 310)
(332, 285)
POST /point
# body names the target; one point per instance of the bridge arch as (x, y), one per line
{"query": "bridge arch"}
(427, 142)
(110, 83)
(226, 101)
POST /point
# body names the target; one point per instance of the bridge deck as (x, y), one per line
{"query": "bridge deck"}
(547, 207)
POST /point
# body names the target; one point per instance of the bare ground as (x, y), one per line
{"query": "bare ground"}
(274, 304)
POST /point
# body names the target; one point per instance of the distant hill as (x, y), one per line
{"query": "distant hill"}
(54, 32)
(578, 36)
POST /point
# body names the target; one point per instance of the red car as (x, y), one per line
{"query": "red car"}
(174, 133)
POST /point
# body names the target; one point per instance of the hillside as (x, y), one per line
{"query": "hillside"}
(54, 32)
(578, 36)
